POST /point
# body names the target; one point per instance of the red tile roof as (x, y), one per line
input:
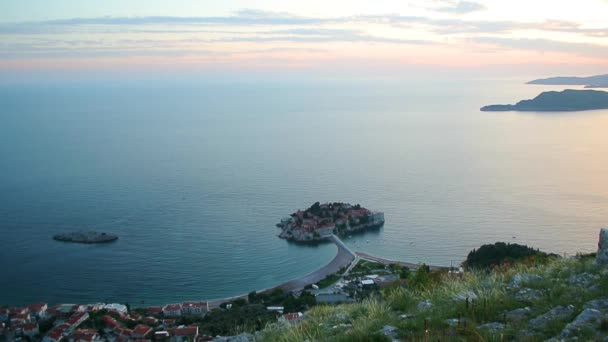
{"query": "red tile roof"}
(154, 310)
(141, 330)
(184, 331)
(172, 307)
(29, 327)
(37, 307)
(75, 318)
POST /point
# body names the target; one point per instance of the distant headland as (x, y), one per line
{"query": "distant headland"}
(322, 220)
(85, 237)
(598, 81)
(552, 101)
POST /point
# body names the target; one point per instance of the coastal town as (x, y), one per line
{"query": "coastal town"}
(349, 277)
(320, 221)
(192, 321)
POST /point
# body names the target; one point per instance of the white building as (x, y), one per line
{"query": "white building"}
(116, 307)
(194, 308)
(172, 310)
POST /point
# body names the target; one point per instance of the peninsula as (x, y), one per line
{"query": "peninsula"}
(552, 101)
(320, 221)
(599, 81)
(85, 237)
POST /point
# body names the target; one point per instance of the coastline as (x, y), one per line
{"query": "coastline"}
(344, 257)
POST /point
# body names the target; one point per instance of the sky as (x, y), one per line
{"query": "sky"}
(367, 38)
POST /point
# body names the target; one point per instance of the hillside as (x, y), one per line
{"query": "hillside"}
(599, 81)
(561, 298)
(552, 101)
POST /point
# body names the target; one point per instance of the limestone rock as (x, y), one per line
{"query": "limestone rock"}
(464, 295)
(588, 318)
(528, 295)
(519, 280)
(602, 247)
(557, 313)
(600, 304)
(390, 331)
(518, 315)
(492, 328)
(583, 279)
(425, 305)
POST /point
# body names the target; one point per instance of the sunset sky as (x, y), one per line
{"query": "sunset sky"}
(271, 36)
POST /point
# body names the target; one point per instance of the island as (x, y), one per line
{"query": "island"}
(85, 237)
(321, 221)
(553, 101)
(598, 81)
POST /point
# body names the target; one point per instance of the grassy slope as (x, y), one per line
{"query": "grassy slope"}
(333, 323)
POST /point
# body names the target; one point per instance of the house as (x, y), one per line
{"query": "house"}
(19, 311)
(168, 323)
(121, 309)
(194, 308)
(161, 335)
(78, 308)
(367, 282)
(38, 309)
(109, 322)
(184, 333)
(95, 307)
(141, 331)
(154, 310)
(150, 320)
(172, 310)
(30, 329)
(56, 334)
(84, 335)
(76, 319)
(291, 317)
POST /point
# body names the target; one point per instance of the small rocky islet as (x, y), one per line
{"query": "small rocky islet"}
(85, 237)
(320, 221)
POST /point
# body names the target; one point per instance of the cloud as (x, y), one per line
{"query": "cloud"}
(546, 45)
(460, 7)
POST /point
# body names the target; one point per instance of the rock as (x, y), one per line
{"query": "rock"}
(557, 313)
(425, 305)
(518, 315)
(245, 337)
(492, 328)
(407, 316)
(600, 304)
(464, 295)
(452, 322)
(390, 331)
(589, 318)
(519, 280)
(602, 248)
(528, 295)
(583, 279)
(85, 237)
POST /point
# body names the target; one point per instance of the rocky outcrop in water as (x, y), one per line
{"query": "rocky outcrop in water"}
(85, 237)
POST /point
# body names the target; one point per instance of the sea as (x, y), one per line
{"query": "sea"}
(193, 176)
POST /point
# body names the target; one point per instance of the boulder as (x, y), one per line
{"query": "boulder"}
(519, 280)
(528, 295)
(518, 315)
(425, 305)
(602, 248)
(589, 318)
(463, 295)
(557, 313)
(600, 304)
(492, 328)
(583, 279)
(390, 332)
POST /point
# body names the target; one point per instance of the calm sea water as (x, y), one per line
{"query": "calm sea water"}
(194, 177)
